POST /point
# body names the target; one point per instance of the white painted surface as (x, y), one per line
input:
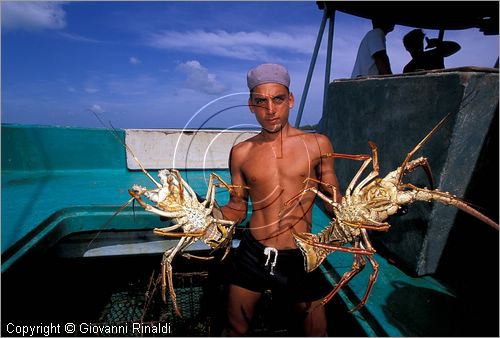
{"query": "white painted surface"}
(141, 248)
(182, 149)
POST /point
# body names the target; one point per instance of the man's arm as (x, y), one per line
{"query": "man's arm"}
(236, 209)
(326, 173)
(445, 48)
(409, 67)
(382, 62)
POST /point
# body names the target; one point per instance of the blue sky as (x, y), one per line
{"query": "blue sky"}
(176, 64)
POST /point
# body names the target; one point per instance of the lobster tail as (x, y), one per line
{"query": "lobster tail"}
(313, 256)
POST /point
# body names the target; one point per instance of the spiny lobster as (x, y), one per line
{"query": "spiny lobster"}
(366, 206)
(175, 199)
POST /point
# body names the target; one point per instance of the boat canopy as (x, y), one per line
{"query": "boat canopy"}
(440, 15)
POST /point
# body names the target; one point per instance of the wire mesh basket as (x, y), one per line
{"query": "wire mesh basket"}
(141, 311)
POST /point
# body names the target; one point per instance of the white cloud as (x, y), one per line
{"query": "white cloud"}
(32, 15)
(76, 37)
(240, 45)
(96, 108)
(133, 60)
(200, 79)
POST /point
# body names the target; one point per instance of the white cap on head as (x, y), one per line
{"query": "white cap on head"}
(268, 73)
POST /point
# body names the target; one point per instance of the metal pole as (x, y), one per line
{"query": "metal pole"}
(311, 68)
(441, 34)
(328, 58)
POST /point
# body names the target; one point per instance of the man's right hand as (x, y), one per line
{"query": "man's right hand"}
(432, 43)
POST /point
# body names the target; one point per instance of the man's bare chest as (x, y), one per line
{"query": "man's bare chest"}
(272, 167)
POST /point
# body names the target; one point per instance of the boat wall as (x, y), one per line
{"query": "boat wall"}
(396, 113)
(46, 201)
(58, 181)
(182, 149)
(47, 148)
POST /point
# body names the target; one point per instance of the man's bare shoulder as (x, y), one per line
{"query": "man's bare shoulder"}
(242, 148)
(322, 140)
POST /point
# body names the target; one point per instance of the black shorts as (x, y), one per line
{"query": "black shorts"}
(288, 277)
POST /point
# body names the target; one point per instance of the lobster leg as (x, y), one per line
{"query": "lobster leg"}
(180, 234)
(223, 183)
(210, 196)
(334, 190)
(303, 192)
(224, 221)
(228, 247)
(166, 265)
(357, 266)
(373, 278)
(366, 158)
(424, 163)
(373, 275)
(167, 230)
(166, 256)
(374, 173)
(332, 247)
(187, 255)
(361, 157)
(183, 184)
(369, 224)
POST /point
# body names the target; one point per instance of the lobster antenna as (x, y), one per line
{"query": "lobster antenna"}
(420, 144)
(115, 134)
(111, 218)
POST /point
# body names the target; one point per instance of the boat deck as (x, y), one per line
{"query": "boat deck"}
(40, 207)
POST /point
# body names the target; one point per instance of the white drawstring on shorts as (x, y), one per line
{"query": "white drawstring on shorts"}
(267, 251)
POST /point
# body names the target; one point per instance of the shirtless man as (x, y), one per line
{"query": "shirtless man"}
(273, 165)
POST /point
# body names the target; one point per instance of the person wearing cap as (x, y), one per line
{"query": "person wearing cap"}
(372, 58)
(432, 57)
(273, 165)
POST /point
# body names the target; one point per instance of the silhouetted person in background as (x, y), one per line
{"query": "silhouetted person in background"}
(372, 57)
(429, 59)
